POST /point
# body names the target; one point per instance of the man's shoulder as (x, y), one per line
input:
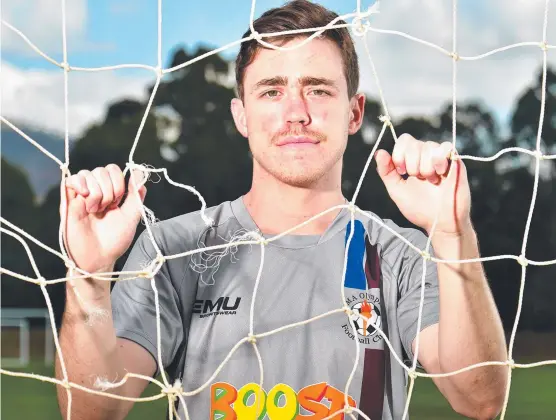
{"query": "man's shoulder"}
(184, 230)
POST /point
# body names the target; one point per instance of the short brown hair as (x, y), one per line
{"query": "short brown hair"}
(295, 15)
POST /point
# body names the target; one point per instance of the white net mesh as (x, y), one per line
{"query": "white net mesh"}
(359, 23)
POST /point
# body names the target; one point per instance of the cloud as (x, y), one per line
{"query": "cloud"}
(417, 79)
(41, 22)
(36, 97)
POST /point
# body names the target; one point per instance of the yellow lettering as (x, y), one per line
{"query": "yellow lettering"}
(254, 411)
(289, 409)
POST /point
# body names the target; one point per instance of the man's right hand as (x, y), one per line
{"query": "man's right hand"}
(98, 229)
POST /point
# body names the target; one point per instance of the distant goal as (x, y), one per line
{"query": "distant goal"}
(26, 337)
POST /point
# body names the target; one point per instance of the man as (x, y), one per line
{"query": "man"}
(297, 109)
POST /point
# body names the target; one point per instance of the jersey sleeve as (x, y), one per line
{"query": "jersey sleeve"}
(410, 288)
(133, 305)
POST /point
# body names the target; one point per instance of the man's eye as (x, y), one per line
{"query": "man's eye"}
(320, 92)
(271, 93)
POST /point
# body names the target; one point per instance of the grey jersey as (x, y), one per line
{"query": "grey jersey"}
(206, 300)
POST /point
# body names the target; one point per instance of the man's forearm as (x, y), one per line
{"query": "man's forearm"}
(90, 351)
(470, 329)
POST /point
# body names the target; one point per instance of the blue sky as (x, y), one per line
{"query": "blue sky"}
(125, 31)
(416, 80)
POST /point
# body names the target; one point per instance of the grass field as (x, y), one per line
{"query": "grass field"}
(532, 397)
(533, 392)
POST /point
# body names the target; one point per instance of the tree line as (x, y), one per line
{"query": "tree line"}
(190, 132)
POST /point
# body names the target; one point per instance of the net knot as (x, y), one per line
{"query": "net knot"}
(352, 208)
(511, 363)
(360, 26)
(65, 168)
(260, 238)
(543, 45)
(149, 269)
(209, 222)
(412, 374)
(251, 338)
(160, 259)
(539, 155)
(41, 281)
(256, 35)
(348, 409)
(70, 264)
(65, 65)
(174, 390)
(131, 165)
(159, 72)
(522, 260)
(455, 56)
(348, 311)
(66, 384)
(385, 119)
(425, 254)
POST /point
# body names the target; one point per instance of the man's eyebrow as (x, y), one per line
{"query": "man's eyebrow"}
(304, 81)
(317, 81)
(270, 81)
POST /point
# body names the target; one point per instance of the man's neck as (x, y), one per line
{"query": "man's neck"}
(276, 207)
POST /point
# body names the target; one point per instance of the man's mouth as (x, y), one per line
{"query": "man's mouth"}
(297, 141)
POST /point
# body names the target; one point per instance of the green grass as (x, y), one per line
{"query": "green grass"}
(24, 398)
(531, 398)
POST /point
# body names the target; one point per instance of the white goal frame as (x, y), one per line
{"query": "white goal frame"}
(19, 317)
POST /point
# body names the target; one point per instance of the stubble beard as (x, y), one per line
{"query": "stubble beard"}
(297, 171)
(298, 174)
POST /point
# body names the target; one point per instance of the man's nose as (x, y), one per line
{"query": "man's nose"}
(297, 110)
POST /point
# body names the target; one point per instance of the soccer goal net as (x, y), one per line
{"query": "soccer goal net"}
(360, 24)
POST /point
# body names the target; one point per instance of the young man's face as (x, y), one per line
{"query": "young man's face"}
(296, 111)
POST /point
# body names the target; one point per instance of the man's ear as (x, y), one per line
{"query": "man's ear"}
(357, 111)
(238, 112)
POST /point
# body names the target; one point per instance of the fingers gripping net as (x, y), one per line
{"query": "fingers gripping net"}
(360, 26)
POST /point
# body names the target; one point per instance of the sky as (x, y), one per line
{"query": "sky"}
(415, 79)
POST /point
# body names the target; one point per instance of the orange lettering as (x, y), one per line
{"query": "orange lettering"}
(227, 403)
(337, 401)
(222, 396)
(309, 398)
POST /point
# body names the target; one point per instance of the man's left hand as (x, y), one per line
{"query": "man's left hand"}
(435, 183)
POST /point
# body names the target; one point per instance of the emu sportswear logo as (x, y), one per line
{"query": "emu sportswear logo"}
(222, 306)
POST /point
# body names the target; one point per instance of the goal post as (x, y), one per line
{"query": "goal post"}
(21, 318)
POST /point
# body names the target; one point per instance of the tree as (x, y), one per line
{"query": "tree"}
(211, 154)
(540, 289)
(18, 207)
(525, 118)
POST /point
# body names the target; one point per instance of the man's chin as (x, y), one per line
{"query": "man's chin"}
(296, 174)
(304, 179)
